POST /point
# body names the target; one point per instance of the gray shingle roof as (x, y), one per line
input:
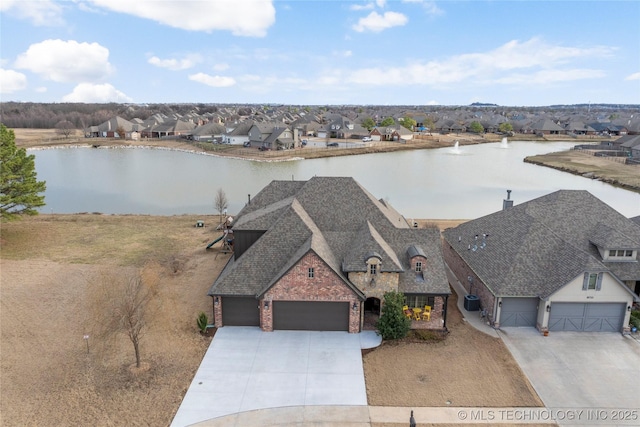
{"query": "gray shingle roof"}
(338, 220)
(535, 248)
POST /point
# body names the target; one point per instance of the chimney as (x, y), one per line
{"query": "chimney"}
(507, 203)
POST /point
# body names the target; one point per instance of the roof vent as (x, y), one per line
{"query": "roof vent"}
(507, 203)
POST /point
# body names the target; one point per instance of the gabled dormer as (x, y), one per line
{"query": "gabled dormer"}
(613, 245)
(417, 259)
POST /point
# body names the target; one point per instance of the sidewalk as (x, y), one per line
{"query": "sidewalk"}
(471, 317)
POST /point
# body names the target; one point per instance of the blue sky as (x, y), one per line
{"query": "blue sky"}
(517, 53)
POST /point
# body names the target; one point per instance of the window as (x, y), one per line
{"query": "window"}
(628, 253)
(310, 273)
(592, 281)
(419, 301)
(373, 269)
(418, 267)
(621, 253)
(612, 252)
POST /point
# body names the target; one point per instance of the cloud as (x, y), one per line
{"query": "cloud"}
(634, 76)
(430, 7)
(66, 61)
(41, 13)
(12, 81)
(250, 18)
(221, 67)
(376, 23)
(512, 63)
(100, 93)
(213, 81)
(176, 64)
(366, 6)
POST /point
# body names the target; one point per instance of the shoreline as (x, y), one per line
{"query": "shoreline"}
(574, 162)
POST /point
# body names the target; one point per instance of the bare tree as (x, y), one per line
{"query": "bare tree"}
(65, 128)
(221, 202)
(121, 306)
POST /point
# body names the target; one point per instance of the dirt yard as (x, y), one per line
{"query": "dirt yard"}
(468, 368)
(51, 267)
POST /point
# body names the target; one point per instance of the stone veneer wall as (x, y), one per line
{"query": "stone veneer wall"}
(295, 285)
(462, 272)
(384, 282)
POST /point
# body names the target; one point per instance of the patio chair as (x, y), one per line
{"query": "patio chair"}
(426, 315)
(406, 311)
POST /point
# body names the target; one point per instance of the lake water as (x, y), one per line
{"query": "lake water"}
(441, 183)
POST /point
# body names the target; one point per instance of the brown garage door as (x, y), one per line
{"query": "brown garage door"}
(311, 315)
(240, 311)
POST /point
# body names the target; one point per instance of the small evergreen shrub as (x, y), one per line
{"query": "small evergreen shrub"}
(393, 324)
(203, 321)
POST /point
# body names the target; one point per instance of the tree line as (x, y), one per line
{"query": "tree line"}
(46, 116)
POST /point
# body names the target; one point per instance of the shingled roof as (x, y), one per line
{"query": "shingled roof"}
(342, 223)
(535, 248)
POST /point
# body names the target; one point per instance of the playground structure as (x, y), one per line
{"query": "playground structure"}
(227, 236)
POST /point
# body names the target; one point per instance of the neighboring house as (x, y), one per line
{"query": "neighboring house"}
(209, 132)
(546, 127)
(579, 128)
(271, 135)
(238, 134)
(562, 262)
(317, 254)
(109, 129)
(631, 145)
(391, 133)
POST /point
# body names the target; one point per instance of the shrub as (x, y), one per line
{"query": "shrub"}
(203, 321)
(393, 324)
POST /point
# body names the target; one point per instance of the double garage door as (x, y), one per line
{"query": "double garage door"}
(311, 315)
(288, 315)
(593, 317)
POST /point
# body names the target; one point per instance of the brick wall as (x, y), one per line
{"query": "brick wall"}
(296, 285)
(462, 272)
(217, 312)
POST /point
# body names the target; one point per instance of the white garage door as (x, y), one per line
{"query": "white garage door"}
(588, 317)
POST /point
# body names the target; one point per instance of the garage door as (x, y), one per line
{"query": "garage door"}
(594, 317)
(311, 315)
(240, 311)
(519, 312)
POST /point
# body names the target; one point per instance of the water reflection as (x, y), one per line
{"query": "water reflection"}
(419, 184)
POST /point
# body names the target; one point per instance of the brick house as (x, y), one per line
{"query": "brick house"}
(318, 254)
(562, 262)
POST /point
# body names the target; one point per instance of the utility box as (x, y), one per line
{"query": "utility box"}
(471, 303)
(199, 223)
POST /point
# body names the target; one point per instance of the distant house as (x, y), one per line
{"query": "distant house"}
(272, 136)
(391, 133)
(111, 128)
(238, 134)
(209, 132)
(562, 262)
(320, 255)
(579, 128)
(546, 127)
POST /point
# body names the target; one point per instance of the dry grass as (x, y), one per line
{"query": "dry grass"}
(49, 271)
(606, 169)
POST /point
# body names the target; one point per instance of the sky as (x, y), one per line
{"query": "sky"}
(320, 52)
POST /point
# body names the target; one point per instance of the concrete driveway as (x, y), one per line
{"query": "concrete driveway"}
(246, 369)
(578, 369)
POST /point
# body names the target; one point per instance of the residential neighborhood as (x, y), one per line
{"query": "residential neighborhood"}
(285, 127)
